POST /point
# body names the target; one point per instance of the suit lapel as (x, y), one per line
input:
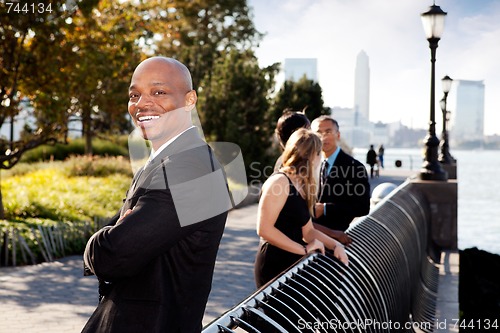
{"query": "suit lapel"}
(187, 140)
(335, 168)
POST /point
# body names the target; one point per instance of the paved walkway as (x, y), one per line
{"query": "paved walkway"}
(55, 297)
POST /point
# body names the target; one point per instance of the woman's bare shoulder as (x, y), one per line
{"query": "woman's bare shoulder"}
(278, 179)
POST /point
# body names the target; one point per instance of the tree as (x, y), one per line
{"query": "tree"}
(211, 37)
(301, 95)
(104, 50)
(234, 105)
(110, 37)
(22, 53)
(78, 62)
(22, 56)
(197, 32)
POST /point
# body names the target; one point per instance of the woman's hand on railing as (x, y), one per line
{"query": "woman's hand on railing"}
(339, 253)
(315, 245)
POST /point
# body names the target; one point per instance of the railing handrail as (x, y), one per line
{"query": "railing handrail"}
(389, 279)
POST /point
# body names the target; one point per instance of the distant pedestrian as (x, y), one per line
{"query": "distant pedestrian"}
(381, 151)
(371, 159)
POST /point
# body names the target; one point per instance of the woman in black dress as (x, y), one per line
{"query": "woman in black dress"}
(285, 207)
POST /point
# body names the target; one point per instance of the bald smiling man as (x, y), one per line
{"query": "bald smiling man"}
(154, 263)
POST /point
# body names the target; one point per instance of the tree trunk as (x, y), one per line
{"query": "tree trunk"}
(87, 130)
(2, 211)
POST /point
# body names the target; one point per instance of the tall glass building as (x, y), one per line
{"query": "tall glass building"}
(468, 118)
(296, 68)
(362, 87)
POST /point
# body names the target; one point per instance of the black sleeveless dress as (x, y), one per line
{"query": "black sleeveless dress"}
(271, 260)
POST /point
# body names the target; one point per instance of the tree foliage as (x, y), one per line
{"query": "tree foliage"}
(304, 95)
(196, 32)
(57, 63)
(234, 105)
(104, 50)
(69, 62)
(78, 62)
(26, 78)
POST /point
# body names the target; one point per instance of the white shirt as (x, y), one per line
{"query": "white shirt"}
(165, 145)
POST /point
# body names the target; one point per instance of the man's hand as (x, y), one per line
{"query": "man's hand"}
(341, 237)
(127, 212)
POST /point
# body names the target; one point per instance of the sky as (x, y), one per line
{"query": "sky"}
(392, 35)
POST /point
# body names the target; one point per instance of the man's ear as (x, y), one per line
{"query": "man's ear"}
(190, 100)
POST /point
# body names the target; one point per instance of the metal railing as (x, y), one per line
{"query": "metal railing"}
(390, 284)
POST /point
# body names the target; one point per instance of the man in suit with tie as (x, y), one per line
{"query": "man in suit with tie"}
(344, 191)
(155, 262)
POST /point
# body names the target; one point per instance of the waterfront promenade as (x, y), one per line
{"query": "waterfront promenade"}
(55, 297)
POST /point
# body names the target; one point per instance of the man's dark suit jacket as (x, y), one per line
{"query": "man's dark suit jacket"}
(158, 273)
(346, 193)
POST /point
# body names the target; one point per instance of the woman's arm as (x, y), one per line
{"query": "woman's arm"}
(274, 195)
(311, 234)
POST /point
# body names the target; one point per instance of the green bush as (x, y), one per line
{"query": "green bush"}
(60, 152)
(64, 200)
(53, 194)
(97, 166)
(75, 165)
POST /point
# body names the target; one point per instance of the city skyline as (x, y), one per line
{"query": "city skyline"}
(391, 33)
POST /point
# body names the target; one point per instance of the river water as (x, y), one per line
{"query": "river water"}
(478, 175)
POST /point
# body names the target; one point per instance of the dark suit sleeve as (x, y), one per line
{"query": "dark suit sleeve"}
(151, 229)
(114, 219)
(355, 200)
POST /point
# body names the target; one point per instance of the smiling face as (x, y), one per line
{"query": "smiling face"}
(161, 99)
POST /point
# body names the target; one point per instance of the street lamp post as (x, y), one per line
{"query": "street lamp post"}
(444, 155)
(433, 22)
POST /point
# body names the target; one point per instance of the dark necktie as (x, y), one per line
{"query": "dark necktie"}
(323, 173)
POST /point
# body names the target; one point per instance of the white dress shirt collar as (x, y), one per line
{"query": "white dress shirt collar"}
(166, 144)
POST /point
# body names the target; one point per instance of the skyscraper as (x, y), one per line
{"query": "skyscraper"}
(468, 118)
(362, 87)
(296, 68)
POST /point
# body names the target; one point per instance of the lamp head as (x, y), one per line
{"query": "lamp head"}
(433, 22)
(446, 81)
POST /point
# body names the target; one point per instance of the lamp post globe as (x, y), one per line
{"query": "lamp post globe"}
(444, 154)
(446, 84)
(433, 22)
